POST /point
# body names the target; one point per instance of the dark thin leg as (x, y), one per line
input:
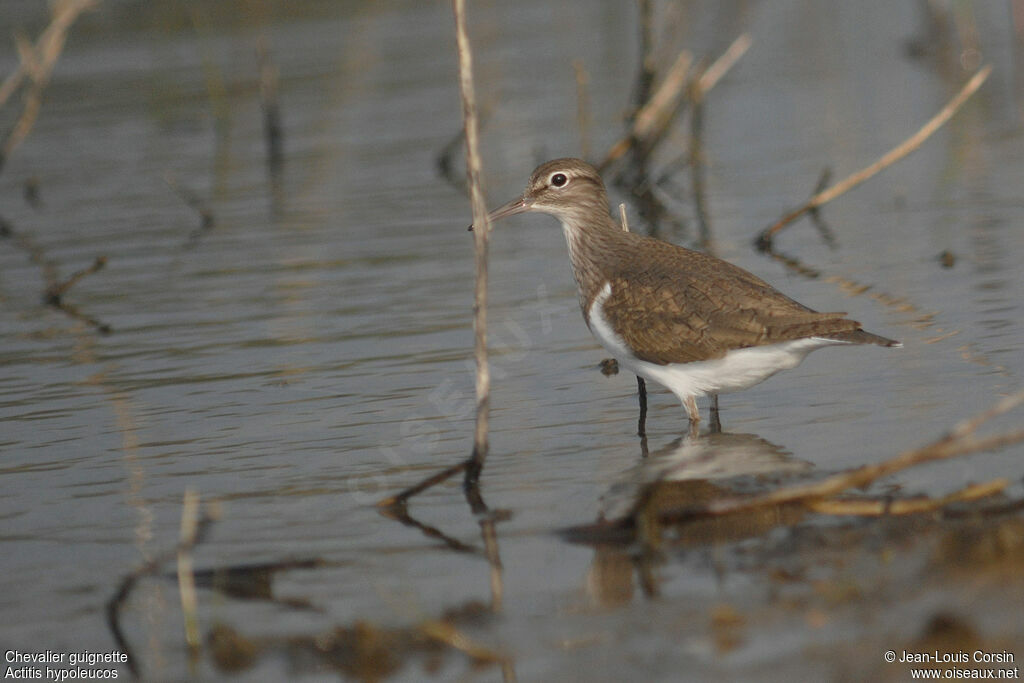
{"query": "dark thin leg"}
(715, 426)
(641, 386)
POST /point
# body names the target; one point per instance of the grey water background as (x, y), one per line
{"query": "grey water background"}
(297, 364)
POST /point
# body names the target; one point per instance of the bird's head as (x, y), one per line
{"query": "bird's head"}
(568, 189)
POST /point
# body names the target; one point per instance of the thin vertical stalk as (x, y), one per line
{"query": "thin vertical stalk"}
(481, 233)
(186, 579)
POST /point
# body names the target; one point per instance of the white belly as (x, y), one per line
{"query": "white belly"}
(737, 370)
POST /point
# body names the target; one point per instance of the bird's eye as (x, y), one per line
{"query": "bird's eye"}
(559, 180)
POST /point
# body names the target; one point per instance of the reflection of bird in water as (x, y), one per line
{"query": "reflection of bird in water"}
(722, 456)
(689, 471)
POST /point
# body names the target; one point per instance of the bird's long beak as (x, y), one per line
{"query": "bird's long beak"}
(517, 205)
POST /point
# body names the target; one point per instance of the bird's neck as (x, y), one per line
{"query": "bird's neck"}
(593, 243)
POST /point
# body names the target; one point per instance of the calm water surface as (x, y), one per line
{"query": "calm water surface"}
(309, 355)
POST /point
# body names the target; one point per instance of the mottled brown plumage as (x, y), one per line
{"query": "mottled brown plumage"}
(678, 308)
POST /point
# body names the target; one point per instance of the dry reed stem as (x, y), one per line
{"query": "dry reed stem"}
(959, 441)
(886, 160)
(656, 111)
(665, 97)
(48, 46)
(37, 63)
(906, 506)
(149, 568)
(725, 62)
(481, 234)
(186, 577)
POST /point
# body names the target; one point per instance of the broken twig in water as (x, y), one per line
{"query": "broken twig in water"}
(206, 217)
(764, 239)
(54, 293)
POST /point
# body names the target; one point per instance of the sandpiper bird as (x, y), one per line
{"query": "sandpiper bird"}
(691, 322)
